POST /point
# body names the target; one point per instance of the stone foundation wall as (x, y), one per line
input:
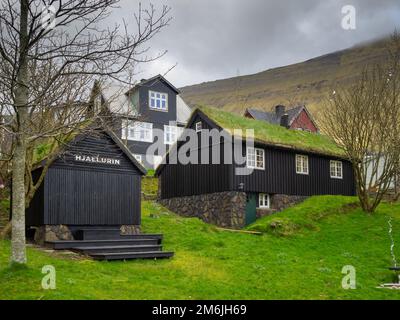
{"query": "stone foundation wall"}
(130, 229)
(62, 232)
(283, 201)
(224, 209)
(52, 233)
(261, 212)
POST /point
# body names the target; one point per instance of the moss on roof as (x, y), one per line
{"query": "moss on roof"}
(267, 133)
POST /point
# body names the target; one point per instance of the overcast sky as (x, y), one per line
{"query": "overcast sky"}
(215, 39)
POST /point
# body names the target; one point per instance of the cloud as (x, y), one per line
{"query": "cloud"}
(212, 39)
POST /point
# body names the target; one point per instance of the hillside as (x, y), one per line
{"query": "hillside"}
(299, 256)
(306, 82)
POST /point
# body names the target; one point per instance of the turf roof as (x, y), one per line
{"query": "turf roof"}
(271, 134)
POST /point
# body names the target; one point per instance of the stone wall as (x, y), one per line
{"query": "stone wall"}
(224, 209)
(52, 233)
(130, 229)
(262, 212)
(283, 201)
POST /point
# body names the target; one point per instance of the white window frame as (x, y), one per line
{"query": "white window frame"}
(170, 131)
(253, 162)
(333, 168)
(132, 130)
(264, 200)
(158, 96)
(302, 164)
(138, 157)
(199, 126)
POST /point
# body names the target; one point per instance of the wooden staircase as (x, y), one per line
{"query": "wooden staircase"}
(109, 244)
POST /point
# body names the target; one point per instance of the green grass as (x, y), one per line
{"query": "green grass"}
(306, 263)
(304, 216)
(149, 186)
(275, 134)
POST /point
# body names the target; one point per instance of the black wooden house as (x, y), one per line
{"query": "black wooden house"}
(287, 166)
(90, 200)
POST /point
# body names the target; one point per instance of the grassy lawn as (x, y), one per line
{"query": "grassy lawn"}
(300, 255)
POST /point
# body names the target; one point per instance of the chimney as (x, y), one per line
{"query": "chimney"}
(285, 120)
(279, 110)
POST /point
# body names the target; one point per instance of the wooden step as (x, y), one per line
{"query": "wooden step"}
(69, 244)
(156, 236)
(113, 249)
(97, 234)
(131, 255)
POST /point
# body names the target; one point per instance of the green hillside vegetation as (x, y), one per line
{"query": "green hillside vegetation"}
(308, 82)
(304, 262)
(275, 134)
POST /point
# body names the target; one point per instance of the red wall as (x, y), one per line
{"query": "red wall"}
(303, 121)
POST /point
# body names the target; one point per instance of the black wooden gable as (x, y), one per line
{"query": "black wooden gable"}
(100, 150)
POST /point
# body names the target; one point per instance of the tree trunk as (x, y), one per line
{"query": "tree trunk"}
(18, 241)
(18, 252)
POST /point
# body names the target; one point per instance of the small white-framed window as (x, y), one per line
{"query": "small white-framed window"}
(301, 164)
(137, 131)
(138, 157)
(264, 200)
(170, 134)
(158, 101)
(255, 158)
(336, 169)
(199, 126)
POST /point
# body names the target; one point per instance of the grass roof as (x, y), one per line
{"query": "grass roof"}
(267, 133)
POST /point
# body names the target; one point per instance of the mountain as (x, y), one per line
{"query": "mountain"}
(308, 82)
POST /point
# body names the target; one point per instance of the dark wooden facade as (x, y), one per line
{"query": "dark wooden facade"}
(104, 189)
(278, 177)
(139, 99)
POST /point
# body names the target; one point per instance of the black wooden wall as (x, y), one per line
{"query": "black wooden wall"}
(85, 193)
(279, 175)
(192, 179)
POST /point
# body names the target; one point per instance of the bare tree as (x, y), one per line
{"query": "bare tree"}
(47, 60)
(365, 120)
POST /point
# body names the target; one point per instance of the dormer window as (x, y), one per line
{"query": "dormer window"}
(158, 101)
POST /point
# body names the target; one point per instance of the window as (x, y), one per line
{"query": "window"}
(198, 126)
(263, 200)
(301, 164)
(336, 169)
(170, 134)
(138, 157)
(138, 131)
(255, 158)
(158, 101)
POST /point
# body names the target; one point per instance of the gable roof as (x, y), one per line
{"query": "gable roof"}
(265, 134)
(113, 137)
(154, 79)
(273, 118)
